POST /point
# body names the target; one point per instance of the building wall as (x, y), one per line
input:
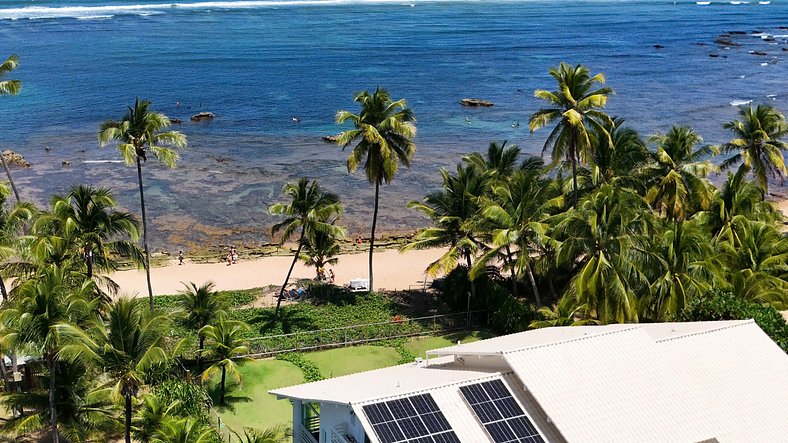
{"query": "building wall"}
(341, 419)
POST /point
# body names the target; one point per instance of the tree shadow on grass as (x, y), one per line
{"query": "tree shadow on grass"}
(464, 335)
(230, 398)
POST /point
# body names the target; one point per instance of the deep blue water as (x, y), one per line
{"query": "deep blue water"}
(257, 64)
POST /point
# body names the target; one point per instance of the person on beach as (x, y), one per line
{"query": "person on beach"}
(180, 258)
(331, 276)
(234, 255)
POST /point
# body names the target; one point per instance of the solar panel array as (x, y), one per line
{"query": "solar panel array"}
(413, 419)
(505, 421)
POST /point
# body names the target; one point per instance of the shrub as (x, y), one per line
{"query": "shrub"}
(511, 316)
(310, 370)
(723, 305)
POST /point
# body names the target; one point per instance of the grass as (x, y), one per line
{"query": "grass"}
(344, 361)
(250, 405)
(420, 345)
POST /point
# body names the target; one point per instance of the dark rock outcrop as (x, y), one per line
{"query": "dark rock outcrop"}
(329, 138)
(659, 47)
(202, 116)
(714, 55)
(761, 53)
(476, 102)
(176, 121)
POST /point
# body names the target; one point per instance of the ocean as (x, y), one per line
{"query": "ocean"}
(258, 64)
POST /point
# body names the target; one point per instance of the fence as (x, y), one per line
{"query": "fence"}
(397, 327)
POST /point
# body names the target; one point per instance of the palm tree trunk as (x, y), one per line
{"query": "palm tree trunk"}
(372, 237)
(290, 271)
(3, 290)
(514, 275)
(4, 373)
(89, 262)
(199, 354)
(533, 285)
(128, 417)
(472, 294)
(145, 233)
(574, 164)
(221, 390)
(52, 411)
(10, 180)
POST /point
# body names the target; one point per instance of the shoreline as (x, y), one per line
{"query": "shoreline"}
(393, 271)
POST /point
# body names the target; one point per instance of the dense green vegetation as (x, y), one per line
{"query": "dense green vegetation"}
(616, 228)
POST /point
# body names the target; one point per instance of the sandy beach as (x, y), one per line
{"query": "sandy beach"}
(393, 270)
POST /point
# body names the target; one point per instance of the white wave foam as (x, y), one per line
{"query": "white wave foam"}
(740, 102)
(102, 161)
(95, 17)
(41, 12)
(703, 3)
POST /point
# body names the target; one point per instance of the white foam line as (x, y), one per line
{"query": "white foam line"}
(37, 12)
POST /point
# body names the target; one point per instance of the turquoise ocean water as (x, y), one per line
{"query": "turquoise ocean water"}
(256, 64)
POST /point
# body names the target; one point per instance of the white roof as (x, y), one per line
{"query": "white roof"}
(382, 383)
(666, 382)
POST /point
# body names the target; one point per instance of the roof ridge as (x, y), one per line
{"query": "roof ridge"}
(720, 328)
(410, 393)
(569, 340)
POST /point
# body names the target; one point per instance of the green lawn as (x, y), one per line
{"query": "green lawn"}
(250, 405)
(420, 345)
(343, 361)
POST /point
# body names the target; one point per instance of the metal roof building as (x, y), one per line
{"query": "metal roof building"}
(664, 382)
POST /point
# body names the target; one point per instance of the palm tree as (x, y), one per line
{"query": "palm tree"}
(201, 306)
(499, 163)
(757, 262)
(86, 217)
(738, 197)
(44, 303)
(516, 216)
(12, 223)
(565, 313)
(185, 430)
(138, 133)
(9, 87)
(276, 434)
(602, 237)
(682, 266)
(678, 188)
(320, 249)
(453, 210)
(152, 416)
(575, 105)
(226, 344)
(310, 209)
(758, 143)
(384, 130)
(125, 347)
(618, 156)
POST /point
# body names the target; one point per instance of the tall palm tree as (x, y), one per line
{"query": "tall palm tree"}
(516, 215)
(310, 209)
(678, 187)
(201, 306)
(9, 87)
(137, 134)
(152, 416)
(453, 211)
(575, 105)
(602, 238)
(226, 348)
(44, 303)
(125, 347)
(757, 143)
(384, 130)
(86, 216)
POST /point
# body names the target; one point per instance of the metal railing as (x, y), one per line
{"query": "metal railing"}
(397, 327)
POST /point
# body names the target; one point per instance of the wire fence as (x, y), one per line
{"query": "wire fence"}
(397, 327)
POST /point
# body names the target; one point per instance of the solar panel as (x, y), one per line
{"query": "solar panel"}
(497, 410)
(415, 419)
